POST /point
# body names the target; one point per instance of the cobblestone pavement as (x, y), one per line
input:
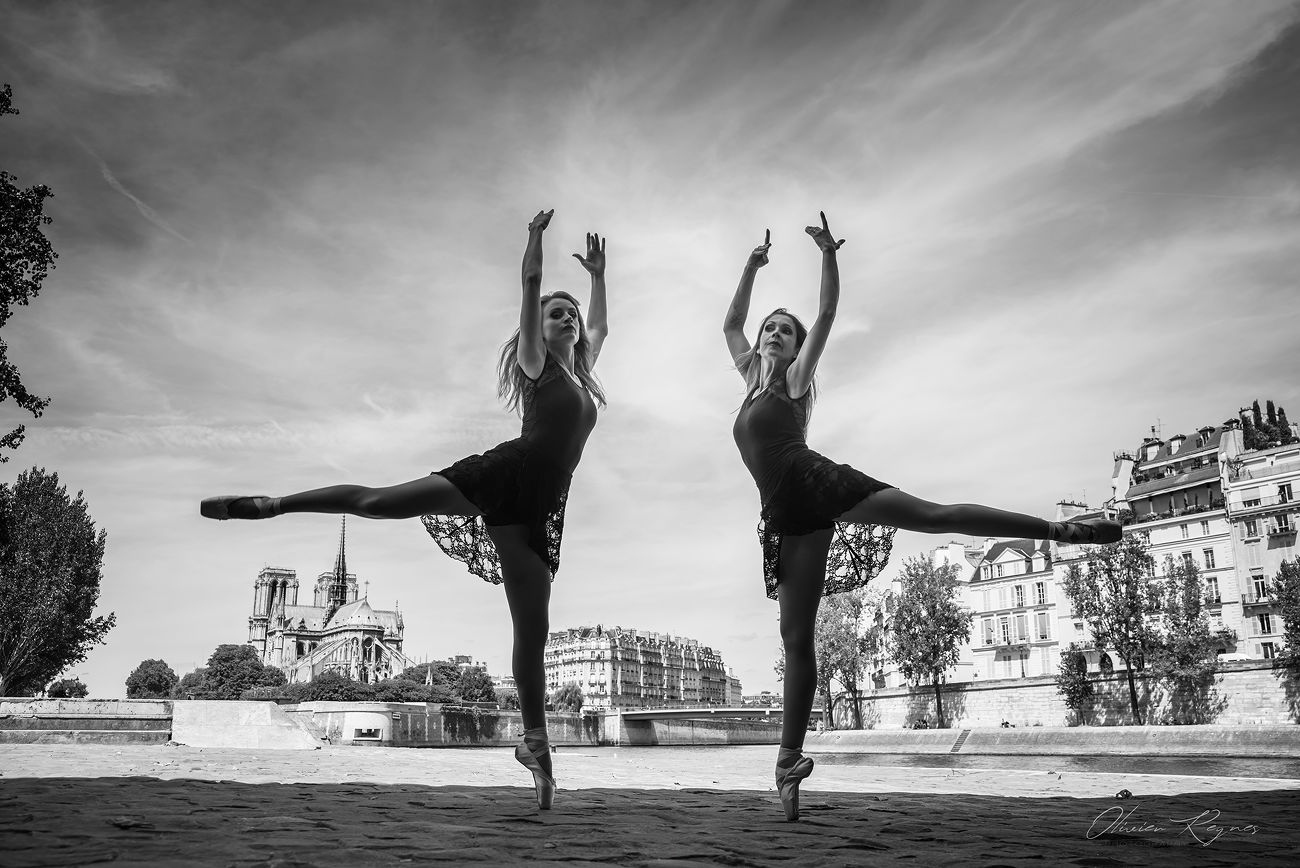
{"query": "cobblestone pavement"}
(346, 806)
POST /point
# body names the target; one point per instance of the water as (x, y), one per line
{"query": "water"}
(1219, 767)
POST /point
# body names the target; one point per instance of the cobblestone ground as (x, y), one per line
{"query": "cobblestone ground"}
(85, 805)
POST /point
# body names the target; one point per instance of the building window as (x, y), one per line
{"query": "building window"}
(1267, 649)
(997, 571)
(1208, 554)
(1284, 494)
(1182, 528)
(1252, 527)
(1022, 627)
(1205, 528)
(988, 631)
(1212, 590)
(1250, 502)
(1004, 629)
(1042, 625)
(1020, 595)
(1187, 560)
(1265, 624)
(1252, 555)
(1040, 593)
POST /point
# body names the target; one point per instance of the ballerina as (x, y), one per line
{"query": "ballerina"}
(826, 527)
(502, 512)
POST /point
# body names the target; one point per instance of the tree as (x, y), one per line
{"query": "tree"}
(50, 560)
(1286, 595)
(25, 258)
(231, 670)
(1072, 680)
(930, 625)
(476, 686)
(152, 679)
(1116, 598)
(567, 697)
(67, 688)
(1187, 657)
(1284, 426)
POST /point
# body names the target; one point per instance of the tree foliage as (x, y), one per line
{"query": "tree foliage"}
(230, 672)
(25, 258)
(567, 697)
(1116, 598)
(67, 688)
(1286, 595)
(152, 679)
(1072, 681)
(476, 686)
(1262, 430)
(1186, 658)
(50, 561)
(930, 625)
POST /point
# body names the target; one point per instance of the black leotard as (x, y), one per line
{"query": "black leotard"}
(522, 481)
(802, 491)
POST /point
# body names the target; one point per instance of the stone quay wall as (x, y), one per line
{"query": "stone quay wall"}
(1244, 693)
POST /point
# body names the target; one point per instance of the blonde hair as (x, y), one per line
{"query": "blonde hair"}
(748, 364)
(511, 378)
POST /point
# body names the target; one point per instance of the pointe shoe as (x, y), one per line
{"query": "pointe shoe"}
(219, 507)
(544, 783)
(787, 784)
(1092, 531)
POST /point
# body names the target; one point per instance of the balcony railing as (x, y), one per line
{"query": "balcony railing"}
(1267, 501)
(1253, 597)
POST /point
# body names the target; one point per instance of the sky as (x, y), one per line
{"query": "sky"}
(289, 239)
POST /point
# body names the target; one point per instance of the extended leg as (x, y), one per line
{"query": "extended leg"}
(901, 510)
(528, 593)
(428, 494)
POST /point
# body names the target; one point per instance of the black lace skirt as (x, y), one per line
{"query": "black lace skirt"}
(511, 484)
(811, 494)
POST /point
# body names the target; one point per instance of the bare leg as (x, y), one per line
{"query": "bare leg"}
(428, 494)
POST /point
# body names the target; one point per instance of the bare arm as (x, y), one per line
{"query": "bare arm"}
(733, 327)
(532, 349)
(799, 376)
(597, 313)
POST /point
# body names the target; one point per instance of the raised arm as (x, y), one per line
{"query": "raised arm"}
(597, 312)
(532, 349)
(733, 327)
(799, 376)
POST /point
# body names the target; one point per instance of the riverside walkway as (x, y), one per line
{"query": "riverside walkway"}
(357, 806)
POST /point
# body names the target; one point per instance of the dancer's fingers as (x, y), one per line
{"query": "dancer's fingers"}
(824, 225)
(767, 237)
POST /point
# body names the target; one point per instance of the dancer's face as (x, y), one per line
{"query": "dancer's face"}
(561, 325)
(776, 340)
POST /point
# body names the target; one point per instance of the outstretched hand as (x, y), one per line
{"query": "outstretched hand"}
(759, 257)
(594, 261)
(821, 236)
(541, 221)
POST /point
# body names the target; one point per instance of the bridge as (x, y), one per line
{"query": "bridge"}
(706, 712)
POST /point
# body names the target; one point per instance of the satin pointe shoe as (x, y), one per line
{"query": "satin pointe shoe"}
(787, 784)
(219, 507)
(1093, 531)
(544, 783)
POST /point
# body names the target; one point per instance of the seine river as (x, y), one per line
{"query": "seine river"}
(1227, 767)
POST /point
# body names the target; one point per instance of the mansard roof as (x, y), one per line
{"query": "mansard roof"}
(1164, 454)
(1209, 472)
(1023, 549)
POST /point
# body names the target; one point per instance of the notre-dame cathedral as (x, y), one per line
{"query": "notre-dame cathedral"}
(339, 632)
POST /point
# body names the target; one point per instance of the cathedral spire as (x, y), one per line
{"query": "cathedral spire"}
(339, 586)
